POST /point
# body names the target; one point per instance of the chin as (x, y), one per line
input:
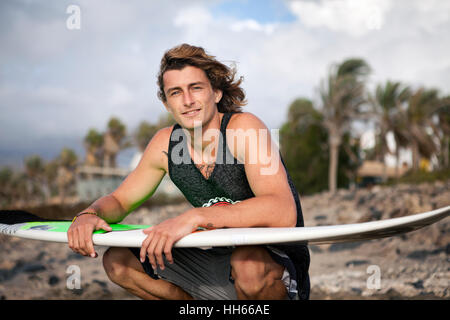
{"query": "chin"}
(191, 124)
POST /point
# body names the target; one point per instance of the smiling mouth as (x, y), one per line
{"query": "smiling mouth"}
(191, 112)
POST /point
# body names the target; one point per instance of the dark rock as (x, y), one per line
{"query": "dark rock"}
(5, 275)
(344, 246)
(376, 214)
(41, 255)
(33, 267)
(356, 263)
(349, 197)
(19, 267)
(100, 283)
(365, 198)
(356, 290)
(422, 254)
(74, 256)
(315, 248)
(418, 255)
(418, 284)
(398, 212)
(77, 292)
(53, 280)
(34, 277)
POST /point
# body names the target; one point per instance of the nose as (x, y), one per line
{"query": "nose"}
(188, 100)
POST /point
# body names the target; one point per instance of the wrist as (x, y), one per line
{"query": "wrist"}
(200, 218)
(83, 213)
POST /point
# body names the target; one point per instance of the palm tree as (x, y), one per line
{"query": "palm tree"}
(113, 141)
(421, 105)
(146, 130)
(342, 95)
(6, 177)
(441, 128)
(93, 143)
(387, 103)
(67, 161)
(34, 170)
(144, 134)
(303, 142)
(19, 189)
(50, 177)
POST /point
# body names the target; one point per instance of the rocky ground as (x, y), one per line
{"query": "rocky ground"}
(412, 266)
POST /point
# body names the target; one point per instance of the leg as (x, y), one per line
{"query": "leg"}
(124, 269)
(256, 275)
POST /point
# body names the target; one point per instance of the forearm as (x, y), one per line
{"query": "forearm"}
(261, 211)
(108, 208)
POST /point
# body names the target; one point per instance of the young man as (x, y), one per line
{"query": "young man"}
(217, 156)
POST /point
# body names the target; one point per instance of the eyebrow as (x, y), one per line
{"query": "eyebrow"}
(189, 85)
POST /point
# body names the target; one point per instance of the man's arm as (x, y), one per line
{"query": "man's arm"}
(272, 206)
(139, 185)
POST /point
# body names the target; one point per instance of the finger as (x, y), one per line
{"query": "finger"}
(70, 238)
(81, 241)
(103, 225)
(144, 246)
(168, 251)
(151, 251)
(159, 251)
(76, 244)
(89, 243)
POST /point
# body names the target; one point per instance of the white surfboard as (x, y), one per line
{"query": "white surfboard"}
(22, 225)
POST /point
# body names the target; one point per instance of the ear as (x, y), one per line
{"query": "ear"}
(217, 95)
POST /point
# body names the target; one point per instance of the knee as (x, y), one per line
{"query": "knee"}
(249, 270)
(115, 264)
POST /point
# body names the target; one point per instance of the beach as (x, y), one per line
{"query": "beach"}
(414, 265)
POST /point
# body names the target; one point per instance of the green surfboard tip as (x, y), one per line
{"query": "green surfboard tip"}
(63, 226)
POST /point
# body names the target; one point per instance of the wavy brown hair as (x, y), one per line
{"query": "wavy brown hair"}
(221, 77)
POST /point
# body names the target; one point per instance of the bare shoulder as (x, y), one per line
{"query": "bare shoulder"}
(155, 154)
(246, 120)
(161, 138)
(245, 133)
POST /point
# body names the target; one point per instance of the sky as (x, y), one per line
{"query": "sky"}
(68, 66)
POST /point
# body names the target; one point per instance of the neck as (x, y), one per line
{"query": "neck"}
(202, 136)
(204, 140)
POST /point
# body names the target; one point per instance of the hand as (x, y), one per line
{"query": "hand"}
(80, 234)
(162, 237)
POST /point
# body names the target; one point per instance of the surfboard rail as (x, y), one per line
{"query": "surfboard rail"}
(132, 235)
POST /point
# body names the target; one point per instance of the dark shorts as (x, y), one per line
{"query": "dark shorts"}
(206, 274)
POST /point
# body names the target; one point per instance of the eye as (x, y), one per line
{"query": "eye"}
(174, 93)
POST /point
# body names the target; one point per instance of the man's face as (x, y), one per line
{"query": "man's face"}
(190, 96)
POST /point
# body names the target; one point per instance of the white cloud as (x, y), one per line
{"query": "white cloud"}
(196, 16)
(109, 67)
(253, 25)
(354, 17)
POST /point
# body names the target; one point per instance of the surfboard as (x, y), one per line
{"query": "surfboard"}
(25, 225)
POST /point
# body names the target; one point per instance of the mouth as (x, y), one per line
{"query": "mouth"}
(191, 113)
